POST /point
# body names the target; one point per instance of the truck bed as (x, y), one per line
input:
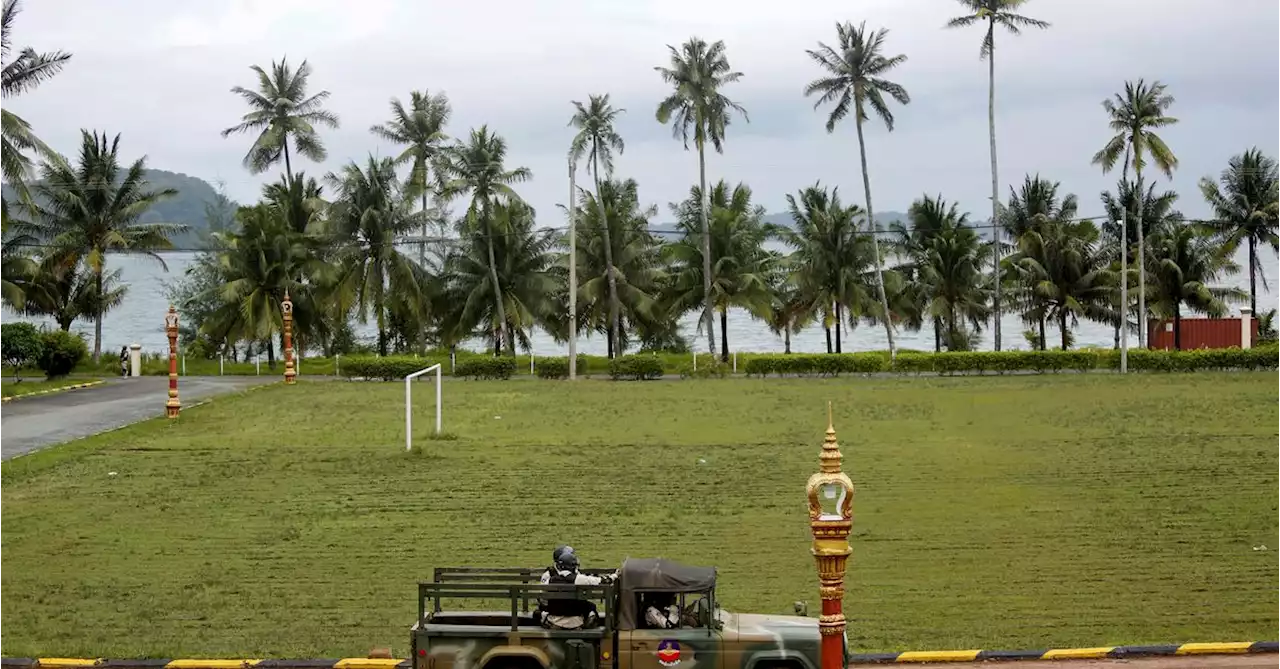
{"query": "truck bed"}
(494, 624)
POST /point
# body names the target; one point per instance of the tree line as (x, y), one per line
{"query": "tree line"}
(336, 246)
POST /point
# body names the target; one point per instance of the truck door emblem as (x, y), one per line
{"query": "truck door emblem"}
(668, 653)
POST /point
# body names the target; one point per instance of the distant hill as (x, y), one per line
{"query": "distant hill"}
(188, 207)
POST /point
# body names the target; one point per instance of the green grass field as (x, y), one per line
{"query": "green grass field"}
(1006, 512)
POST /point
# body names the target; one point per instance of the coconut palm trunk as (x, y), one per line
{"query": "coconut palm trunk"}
(839, 327)
(1142, 265)
(724, 334)
(708, 304)
(288, 167)
(1177, 326)
(1253, 276)
(97, 317)
(1062, 325)
(608, 257)
(995, 180)
(499, 307)
(871, 228)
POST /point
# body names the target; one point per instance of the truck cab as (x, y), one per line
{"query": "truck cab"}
(509, 636)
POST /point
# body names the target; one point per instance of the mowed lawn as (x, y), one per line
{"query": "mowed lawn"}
(995, 512)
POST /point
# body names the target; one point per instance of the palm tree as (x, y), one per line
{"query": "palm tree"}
(856, 79)
(478, 168)
(742, 270)
(945, 256)
(21, 74)
(1035, 205)
(67, 294)
(370, 213)
(1185, 260)
(1122, 208)
(280, 109)
(522, 296)
(82, 212)
(299, 200)
(614, 241)
(829, 261)
(994, 13)
(1246, 208)
(789, 312)
(17, 268)
(1134, 114)
(598, 140)
(421, 127)
(1065, 274)
(259, 262)
(697, 74)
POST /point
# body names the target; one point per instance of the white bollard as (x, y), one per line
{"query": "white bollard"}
(1246, 329)
(257, 360)
(135, 359)
(337, 364)
(695, 361)
(221, 366)
(530, 363)
(184, 365)
(735, 362)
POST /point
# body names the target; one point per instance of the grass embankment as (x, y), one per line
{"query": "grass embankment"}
(989, 513)
(11, 388)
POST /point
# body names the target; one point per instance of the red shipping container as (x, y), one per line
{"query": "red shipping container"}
(1201, 333)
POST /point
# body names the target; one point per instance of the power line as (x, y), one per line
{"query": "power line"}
(318, 243)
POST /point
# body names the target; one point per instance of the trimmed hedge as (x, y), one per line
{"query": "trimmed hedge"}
(389, 368)
(642, 367)
(486, 368)
(557, 368)
(982, 362)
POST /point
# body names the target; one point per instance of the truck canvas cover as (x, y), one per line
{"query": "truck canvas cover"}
(657, 575)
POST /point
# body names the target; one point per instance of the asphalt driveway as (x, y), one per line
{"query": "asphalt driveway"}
(32, 423)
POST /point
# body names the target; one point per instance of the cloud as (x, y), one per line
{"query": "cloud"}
(159, 73)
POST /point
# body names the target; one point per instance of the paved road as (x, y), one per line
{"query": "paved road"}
(1258, 661)
(1198, 661)
(35, 422)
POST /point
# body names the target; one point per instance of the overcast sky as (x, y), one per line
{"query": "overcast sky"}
(159, 71)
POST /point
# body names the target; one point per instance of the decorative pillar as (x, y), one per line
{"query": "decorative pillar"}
(830, 518)
(172, 406)
(1246, 327)
(286, 309)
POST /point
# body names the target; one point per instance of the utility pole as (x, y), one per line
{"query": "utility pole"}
(573, 274)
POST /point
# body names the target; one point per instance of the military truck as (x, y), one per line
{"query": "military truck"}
(708, 637)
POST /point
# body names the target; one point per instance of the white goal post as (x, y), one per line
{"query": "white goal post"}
(408, 404)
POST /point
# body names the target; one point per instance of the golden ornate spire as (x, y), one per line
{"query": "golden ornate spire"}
(830, 456)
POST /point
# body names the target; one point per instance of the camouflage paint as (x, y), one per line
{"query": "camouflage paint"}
(743, 641)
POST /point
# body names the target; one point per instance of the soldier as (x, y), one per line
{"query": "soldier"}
(662, 611)
(570, 614)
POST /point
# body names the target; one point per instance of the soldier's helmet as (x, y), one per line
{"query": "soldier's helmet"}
(559, 552)
(568, 561)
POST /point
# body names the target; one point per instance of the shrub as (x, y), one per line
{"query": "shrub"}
(61, 352)
(21, 344)
(388, 368)
(642, 367)
(486, 368)
(552, 368)
(558, 368)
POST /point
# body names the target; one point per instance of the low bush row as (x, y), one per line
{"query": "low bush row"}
(980, 362)
(648, 366)
(54, 352)
(641, 367)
